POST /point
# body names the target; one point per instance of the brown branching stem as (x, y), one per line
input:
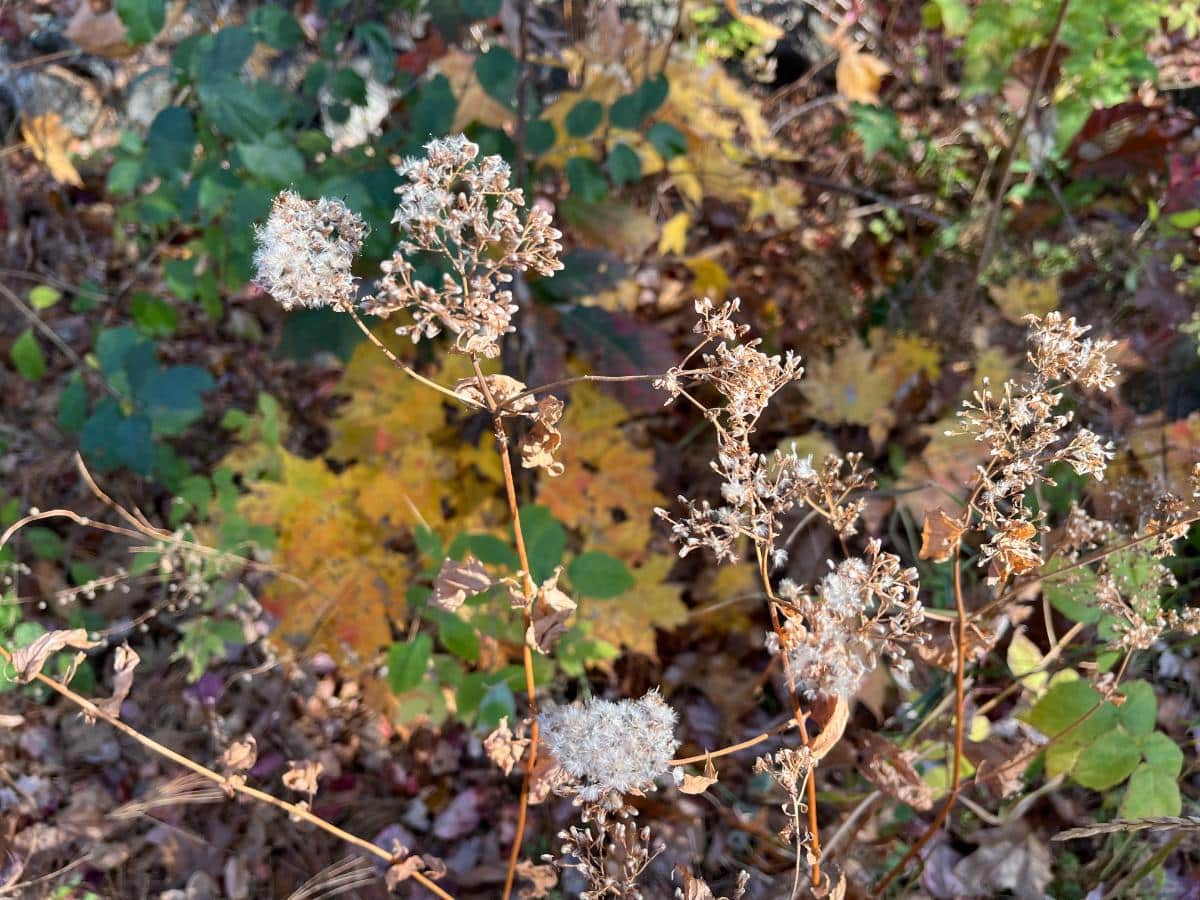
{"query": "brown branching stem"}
(733, 748)
(229, 785)
(403, 366)
(530, 592)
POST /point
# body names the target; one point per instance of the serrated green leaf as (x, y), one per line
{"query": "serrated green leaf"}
(1162, 753)
(1151, 792)
(1108, 761)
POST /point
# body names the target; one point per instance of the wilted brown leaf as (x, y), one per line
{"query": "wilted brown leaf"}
(28, 661)
(695, 888)
(832, 729)
(124, 662)
(940, 536)
(860, 74)
(542, 879)
(102, 34)
(504, 748)
(551, 610)
(456, 581)
(302, 776)
(891, 770)
(240, 756)
(542, 441)
(698, 784)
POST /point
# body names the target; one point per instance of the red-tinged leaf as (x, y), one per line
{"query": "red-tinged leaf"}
(1126, 140)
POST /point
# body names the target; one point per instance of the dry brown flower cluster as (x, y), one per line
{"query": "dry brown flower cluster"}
(463, 209)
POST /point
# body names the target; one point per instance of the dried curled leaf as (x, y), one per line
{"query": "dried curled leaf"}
(124, 663)
(551, 610)
(832, 729)
(543, 440)
(891, 770)
(28, 661)
(698, 784)
(502, 388)
(456, 581)
(240, 756)
(302, 776)
(504, 748)
(940, 536)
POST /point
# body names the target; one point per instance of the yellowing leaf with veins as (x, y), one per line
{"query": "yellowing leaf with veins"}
(850, 388)
(48, 138)
(630, 619)
(1019, 297)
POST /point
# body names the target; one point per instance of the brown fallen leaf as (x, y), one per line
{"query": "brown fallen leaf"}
(891, 770)
(102, 34)
(859, 75)
(456, 581)
(698, 784)
(124, 662)
(48, 139)
(940, 536)
(28, 661)
(542, 879)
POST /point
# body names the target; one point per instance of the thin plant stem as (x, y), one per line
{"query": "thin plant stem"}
(960, 666)
(403, 366)
(814, 829)
(732, 748)
(530, 591)
(294, 810)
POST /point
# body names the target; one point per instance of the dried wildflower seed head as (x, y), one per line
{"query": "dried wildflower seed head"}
(1059, 351)
(612, 748)
(462, 208)
(305, 251)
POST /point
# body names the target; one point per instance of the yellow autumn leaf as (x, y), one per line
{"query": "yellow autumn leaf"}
(674, 234)
(709, 278)
(630, 619)
(48, 139)
(1019, 297)
(851, 389)
(1023, 658)
(859, 75)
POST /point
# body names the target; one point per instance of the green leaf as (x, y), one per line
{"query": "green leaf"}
(377, 40)
(1062, 706)
(153, 316)
(487, 548)
(349, 87)
(274, 159)
(143, 19)
(407, 663)
(172, 400)
(498, 73)
(497, 703)
(630, 110)
(276, 27)
(545, 541)
(124, 176)
(879, 130)
(1139, 711)
(170, 142)
(1074, 595)
(596, 574)
(43, 297)
(1151, 792)
(624, 165)
(110, 439)
(584, 118)
(952, 16)
(667, 140)
(44, 543)
(540, 136)
(586, 180)
(433, 113)
(459, 637)
(73, 404)
(1162, 753)
(27, 356)
(1108, 761)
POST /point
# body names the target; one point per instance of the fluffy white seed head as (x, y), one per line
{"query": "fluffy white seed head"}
(305, 252)
(612, 747)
